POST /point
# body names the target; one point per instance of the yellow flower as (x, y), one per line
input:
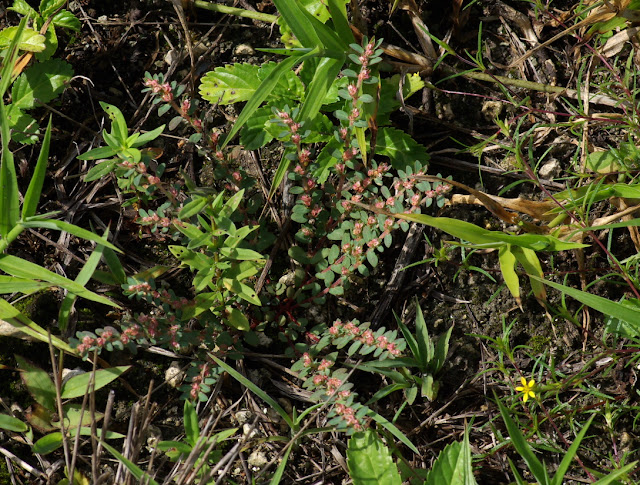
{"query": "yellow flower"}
(526, 389)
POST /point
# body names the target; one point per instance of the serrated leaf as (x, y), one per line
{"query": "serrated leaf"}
(230, 84)
(401, 149)
(30, 40)
(67, 20)
(369, 460)
(44, 81)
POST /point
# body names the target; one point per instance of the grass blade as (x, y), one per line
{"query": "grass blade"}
(263, 91)
(32, 196)
(522, 446)
(255, 389)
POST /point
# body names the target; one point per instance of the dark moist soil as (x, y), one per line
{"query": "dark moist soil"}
(123, 40)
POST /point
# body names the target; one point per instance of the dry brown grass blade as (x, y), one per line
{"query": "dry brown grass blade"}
(536, 209)
(489, 202)
(606, 11)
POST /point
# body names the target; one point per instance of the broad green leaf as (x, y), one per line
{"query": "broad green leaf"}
(95, 154)
(241, 254)
(621, 328)
(401, 149)
(66, 20)
(255, 389)
(239, 82)
(101, 169)
(50, 45)
(136, 471)
(24, 129)
(30, 40)
(194, 207)
(23, 8)
(257, 132)
(370, 461)
(145, 138)
(79, 385)
(243, 291)
(48, 443)
(44, 81)
(38, 383)
(236, 319)
(191, 427)
(118, 124)
(264, 90)
(47, 7)
(508, 269)
(230, 84)
(12, 424)
(32, 196)
(453, 465)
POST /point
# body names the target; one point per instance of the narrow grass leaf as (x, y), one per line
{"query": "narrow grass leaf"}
(614, 475)
(558, 478)
(9, 198)
(292, 13)
(277, 476)
(34, 190)
(82, 279)
(135, 470)
(13, 316)
(255, 389)
(338, 11)
(423, 339)
(389, 426)
(521, 445)
(607, 307)
(55, 224)
(370, 461)
(24, 269)
(263, 91)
